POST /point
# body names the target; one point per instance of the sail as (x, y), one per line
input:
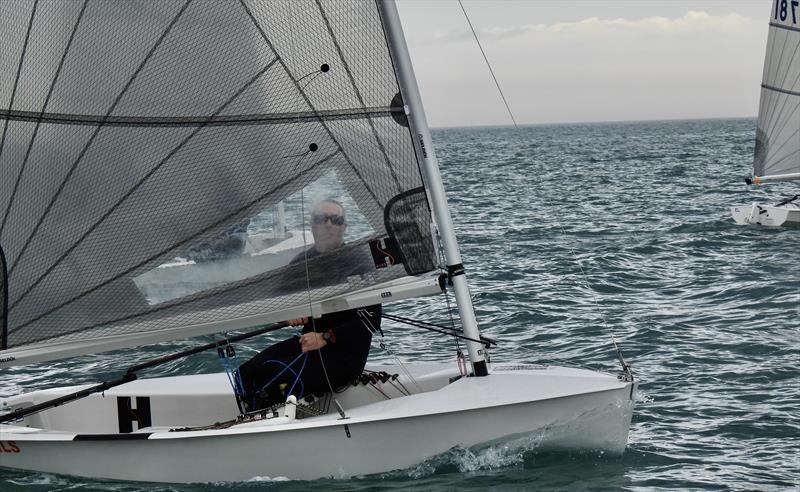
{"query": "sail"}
(777, 150)
(148, 146)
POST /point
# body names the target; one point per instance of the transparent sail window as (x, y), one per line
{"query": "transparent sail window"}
(312, 238)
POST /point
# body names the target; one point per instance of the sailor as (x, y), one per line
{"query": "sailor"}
(331, 351)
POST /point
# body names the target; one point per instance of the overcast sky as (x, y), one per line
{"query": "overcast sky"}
(587, 60)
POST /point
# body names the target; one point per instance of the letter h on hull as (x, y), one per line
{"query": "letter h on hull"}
(127, 415)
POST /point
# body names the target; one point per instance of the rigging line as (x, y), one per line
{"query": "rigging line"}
(787, 201)
(400, 389)
(14, 93)
(307, 100)
(487, 342)
(308, 285)
(311, 80)
(368, 326)
(625, 366)
(443, 261)
(375, 391)
(233, 376)
(133, 189)
(359, 96)
(496, 83)
(297, 378)
(286, 367)
(85, 148)
(41, 114)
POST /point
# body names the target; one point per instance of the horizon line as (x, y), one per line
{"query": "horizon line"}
(599, 122)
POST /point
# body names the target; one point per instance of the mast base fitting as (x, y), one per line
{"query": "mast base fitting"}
(455, 270)
(480, 369)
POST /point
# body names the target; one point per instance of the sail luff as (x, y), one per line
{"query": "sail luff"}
(421, 135)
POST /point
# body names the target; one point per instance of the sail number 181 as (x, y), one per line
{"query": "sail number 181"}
(782, 9)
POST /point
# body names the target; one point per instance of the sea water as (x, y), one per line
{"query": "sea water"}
(572, 235)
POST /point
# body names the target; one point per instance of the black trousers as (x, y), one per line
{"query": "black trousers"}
(283, 369)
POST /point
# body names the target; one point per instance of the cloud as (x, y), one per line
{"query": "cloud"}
(692, 22)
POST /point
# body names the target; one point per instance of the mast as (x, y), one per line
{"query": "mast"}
(424, 145)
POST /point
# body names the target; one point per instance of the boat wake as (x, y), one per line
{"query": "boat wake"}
(505, 455)
(269, 479)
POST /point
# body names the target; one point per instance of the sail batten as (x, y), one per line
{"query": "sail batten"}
(784, 26)
(778, 89)
(193, 121)
(148, 143)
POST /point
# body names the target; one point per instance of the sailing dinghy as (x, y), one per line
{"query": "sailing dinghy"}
(133, 132)
(777, 152)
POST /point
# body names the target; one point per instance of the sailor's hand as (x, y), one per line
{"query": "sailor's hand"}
(311, 341)
(298, 321)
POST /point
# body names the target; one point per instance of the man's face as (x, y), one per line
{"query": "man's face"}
(327, 226)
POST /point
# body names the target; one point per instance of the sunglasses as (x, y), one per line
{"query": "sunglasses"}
(322, 218)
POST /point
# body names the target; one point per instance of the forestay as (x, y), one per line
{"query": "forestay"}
(777, 151)
(147, 148)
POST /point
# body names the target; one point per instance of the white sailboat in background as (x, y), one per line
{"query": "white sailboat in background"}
(777, 152)
(133, 133)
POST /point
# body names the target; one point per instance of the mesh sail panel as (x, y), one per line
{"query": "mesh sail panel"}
(166, 163)
(778, 136)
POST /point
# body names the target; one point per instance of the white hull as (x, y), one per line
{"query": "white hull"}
(556, 407)
(767, 215)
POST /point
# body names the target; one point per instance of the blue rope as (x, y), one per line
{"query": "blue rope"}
(234, 378)
(286, 367)
(299, 373)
